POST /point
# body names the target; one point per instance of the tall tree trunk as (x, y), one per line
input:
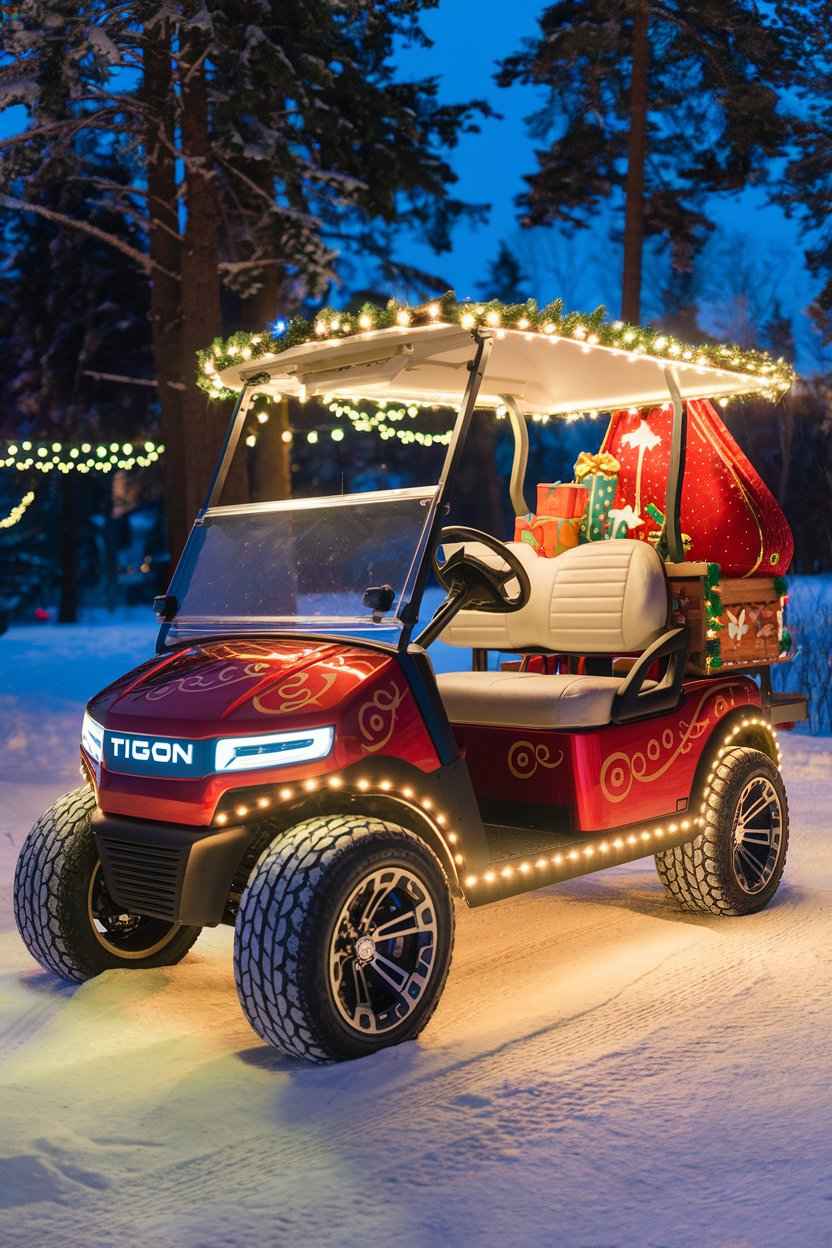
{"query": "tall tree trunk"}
(165, 251)
(68, 604)
(636, 154)
(785, 429)
(203, 420)
(272, 462)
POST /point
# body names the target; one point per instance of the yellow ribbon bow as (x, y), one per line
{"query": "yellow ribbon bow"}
(602, 464)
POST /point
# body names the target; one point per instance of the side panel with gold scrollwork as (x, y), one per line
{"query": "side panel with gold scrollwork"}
(611, 776)
(645, 770)
(518, 765)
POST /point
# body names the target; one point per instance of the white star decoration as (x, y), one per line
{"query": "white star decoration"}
(624, 515)
(643, 438)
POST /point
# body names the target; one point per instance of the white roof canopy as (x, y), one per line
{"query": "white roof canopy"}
(544, 373)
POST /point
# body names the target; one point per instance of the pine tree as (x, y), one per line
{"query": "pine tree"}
(72, 308)
(806, 189)
(506, 280)
(280, 125)
(650, 108)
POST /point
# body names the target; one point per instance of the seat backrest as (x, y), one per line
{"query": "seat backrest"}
(600, 598)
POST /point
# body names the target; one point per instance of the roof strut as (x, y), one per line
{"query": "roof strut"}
(670, 545)
(521, 455)
(232, 438)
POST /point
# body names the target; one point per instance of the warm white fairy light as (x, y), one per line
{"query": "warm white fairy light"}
(48, 457)
(389, 420)
(18, 511)
(623, 845)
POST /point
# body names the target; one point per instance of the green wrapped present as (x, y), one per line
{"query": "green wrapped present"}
(599, 474)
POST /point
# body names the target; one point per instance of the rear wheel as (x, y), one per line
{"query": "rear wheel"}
(344, 938)
(67, 918)
(735, 864)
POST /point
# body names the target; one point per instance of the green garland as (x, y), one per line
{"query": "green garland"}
(552, 320)
(713, 607)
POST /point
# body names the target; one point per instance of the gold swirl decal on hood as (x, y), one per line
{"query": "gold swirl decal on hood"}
(377, 717)
(204, 682)
(294, 693)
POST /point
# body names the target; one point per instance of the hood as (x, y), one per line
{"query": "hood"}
(253, 686)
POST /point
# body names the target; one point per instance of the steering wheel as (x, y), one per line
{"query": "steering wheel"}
(476, 585)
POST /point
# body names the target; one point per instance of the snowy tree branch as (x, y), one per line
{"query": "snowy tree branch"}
(59, 218)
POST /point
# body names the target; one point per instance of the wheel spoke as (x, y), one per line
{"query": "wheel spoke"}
(758, 836)
(397, 979)
(749, 859)
(381, 891)
(390, 930)
(759, 806)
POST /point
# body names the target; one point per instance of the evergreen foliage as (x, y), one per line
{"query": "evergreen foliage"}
(506, 279)
(708, 102)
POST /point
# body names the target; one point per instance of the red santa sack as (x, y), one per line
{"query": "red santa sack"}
(729, 513)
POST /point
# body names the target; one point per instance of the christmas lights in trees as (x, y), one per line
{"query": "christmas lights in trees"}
(18, 511)
(87, 457)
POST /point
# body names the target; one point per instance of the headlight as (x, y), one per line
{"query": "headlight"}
(92, 737)
(276, 750)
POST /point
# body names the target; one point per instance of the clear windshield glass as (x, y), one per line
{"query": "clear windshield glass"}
(344, 564)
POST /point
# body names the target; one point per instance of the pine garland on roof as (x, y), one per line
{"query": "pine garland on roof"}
(552, 320)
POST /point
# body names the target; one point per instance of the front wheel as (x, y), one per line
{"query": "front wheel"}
(344, 938)
(64, 913)
(735, 864)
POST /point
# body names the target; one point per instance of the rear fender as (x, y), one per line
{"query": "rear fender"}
(744, 726)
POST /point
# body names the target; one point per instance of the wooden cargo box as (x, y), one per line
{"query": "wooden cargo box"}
(733, 622)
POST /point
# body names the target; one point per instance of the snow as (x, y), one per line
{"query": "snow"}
(602, 1072)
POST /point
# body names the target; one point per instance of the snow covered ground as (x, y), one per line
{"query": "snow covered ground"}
(603, 1072)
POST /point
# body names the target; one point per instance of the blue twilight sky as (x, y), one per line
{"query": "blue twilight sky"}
(756, 248)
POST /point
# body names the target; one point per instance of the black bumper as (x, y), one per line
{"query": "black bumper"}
(169, 871)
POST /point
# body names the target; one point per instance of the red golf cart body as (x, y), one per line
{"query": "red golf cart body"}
(254, 660)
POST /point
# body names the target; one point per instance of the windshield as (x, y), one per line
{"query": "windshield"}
(304, 564)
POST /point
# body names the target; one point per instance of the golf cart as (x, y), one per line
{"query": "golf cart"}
(290, 763)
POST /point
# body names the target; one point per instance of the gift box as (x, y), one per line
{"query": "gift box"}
(548, 536)
(524, 531)
(557, 534)
(598, 474)
(730, 514)
(561, 499)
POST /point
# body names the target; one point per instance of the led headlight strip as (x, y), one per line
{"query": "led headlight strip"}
(278, 749)
(92, 737)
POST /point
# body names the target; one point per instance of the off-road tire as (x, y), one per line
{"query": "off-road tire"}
(286, 920)
(51, 890)
(700, 876)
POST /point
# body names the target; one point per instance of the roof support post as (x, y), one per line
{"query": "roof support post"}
(420, 568)
(670, 544)
(520, 430)
(232, 439)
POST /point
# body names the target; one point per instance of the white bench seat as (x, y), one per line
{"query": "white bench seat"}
(601, 598)
(528, 699)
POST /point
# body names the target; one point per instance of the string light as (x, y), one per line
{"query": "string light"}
(17, 512)
(438, 820)
(46, 457)
(586, 330)
(634, 844)
(389, 420)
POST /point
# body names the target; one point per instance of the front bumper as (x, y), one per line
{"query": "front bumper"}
(167, 870)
